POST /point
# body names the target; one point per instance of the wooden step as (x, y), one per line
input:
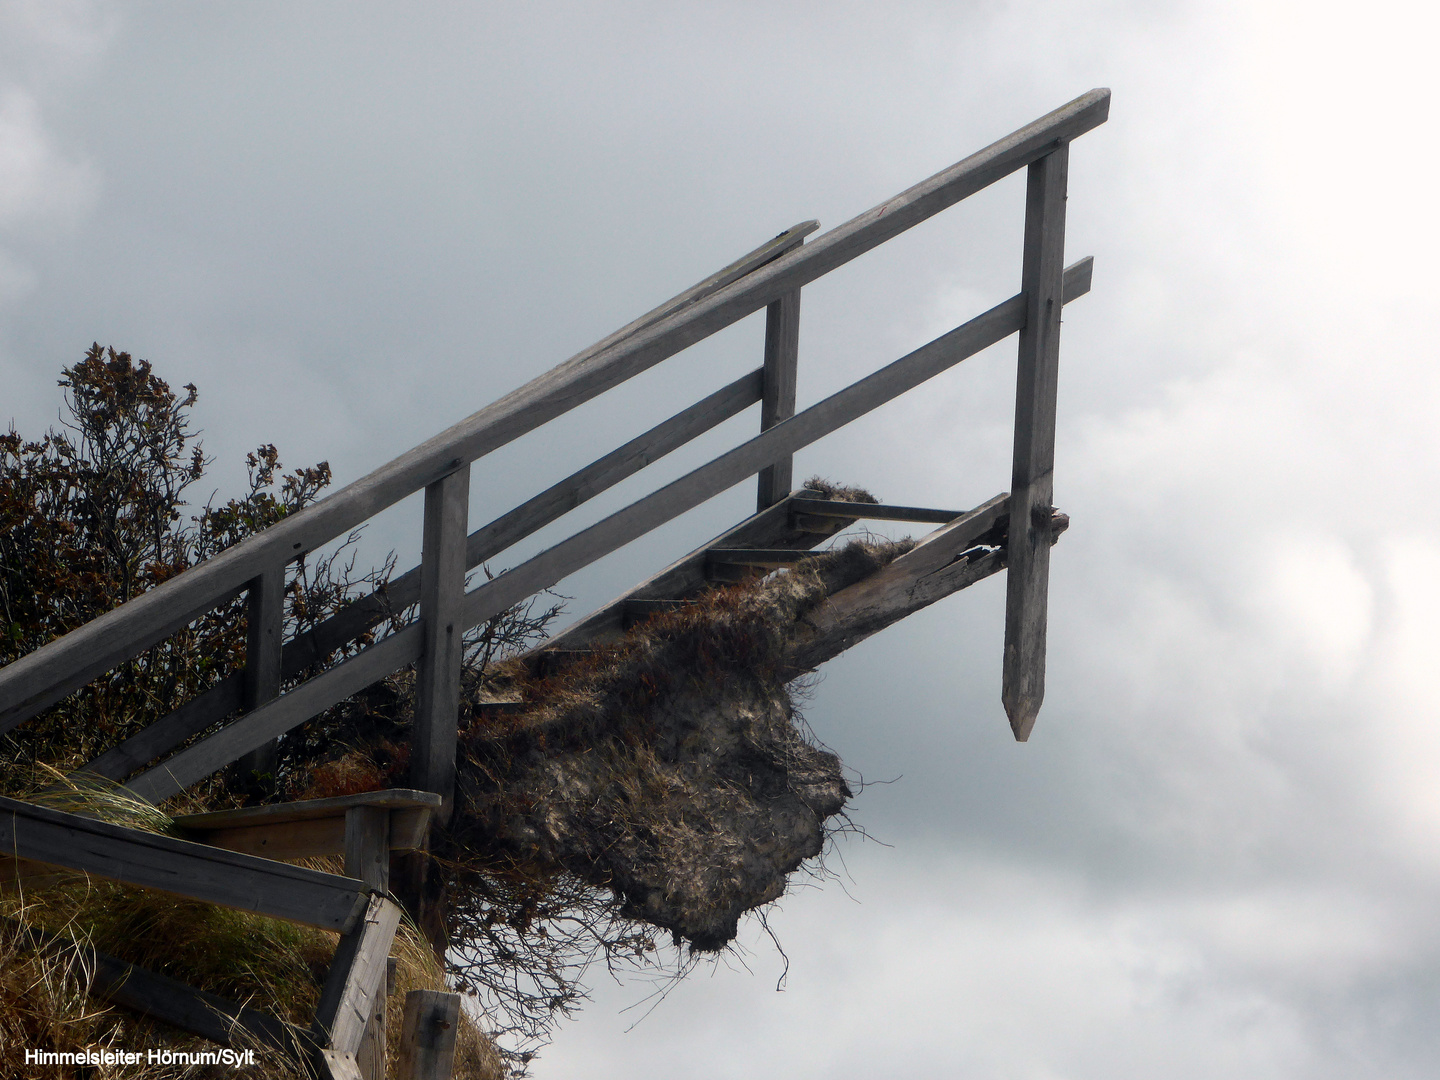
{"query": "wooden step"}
(812, 513)
(313, 827)
(770, 528)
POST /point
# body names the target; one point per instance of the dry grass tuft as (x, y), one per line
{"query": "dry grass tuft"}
(839, 492)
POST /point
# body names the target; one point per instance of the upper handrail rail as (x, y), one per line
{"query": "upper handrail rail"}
(42, 677)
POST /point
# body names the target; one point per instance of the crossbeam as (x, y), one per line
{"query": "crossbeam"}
(556, 563)
(43, 677)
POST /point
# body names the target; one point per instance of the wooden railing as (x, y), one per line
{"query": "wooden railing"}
(770, 277)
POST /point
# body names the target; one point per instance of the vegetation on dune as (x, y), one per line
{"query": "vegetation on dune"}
(664, 783)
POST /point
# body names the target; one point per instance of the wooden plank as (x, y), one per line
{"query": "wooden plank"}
(183, 867)
(615, 466)
(309, 809)
(934, 568)
(782, 358)
(46, 675)
(687, 575)
(754, 556)
(367, 857)
(367, 846)
(264, 642)
(427, 1039)
(288, 840)
(283, 841)
(371, 1057)
(875, 512)
(356, 978)
(337, 1066)
(169, 1000)
(558, 562)
(1032, 478)
(437, 679)
(211, 754)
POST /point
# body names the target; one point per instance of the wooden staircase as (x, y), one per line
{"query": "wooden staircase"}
(236, 858)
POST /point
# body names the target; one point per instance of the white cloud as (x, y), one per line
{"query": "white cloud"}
(38, 183)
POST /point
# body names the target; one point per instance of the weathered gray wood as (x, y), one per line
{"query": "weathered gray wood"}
(367, 846)
(437, 680)
(553, 564)
(767, 252)
(609, 470)
(367, 857)
(211, 754)
(182, 867)
(687, 575)
(1032, 478)
(934, 568)
(782, 358)
(356, 978)
(874, 512)
(314, 646)
(333, 1065)
(370, 1057)
(264, 642)
(289, 840)
(556, 563)
(48, 674)
(754, 556)
(169, 1000)
(156, 621)
(309, 809)
(427, 1039)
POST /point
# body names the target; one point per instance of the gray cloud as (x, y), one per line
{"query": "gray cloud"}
(351, 227)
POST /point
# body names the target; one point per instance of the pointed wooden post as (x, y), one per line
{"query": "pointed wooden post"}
(782, 356)
(265, 637)
(442, 589)
(1032, 480)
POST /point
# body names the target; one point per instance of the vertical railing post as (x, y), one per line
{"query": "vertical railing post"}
(367, 857)
(264, 639)
(442, 589)
(777, 403)
(1032, 478)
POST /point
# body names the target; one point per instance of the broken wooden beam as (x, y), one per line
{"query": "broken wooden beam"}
(356, 978)
(949, 559)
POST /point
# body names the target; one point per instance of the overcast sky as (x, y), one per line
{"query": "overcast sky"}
(1219, 854)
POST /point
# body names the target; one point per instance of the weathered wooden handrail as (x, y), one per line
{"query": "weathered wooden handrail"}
(565, 558)
(43, 677)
